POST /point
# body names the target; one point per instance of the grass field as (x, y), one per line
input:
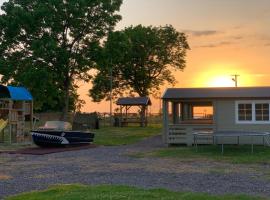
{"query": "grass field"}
(232, 153)
(78, 192)
(112, 136)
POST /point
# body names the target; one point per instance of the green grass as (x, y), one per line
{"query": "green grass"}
(232, 153)
(112, 136)
(81, 192)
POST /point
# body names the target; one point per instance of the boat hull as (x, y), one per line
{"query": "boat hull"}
(52, 138)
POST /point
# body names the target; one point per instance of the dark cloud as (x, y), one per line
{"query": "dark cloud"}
(199, 33)
(267, 44)
(213, 45)
(237, 37)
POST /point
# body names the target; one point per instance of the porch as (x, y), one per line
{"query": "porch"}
(182, 118)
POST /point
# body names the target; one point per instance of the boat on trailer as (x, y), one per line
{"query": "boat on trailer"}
(60, 133)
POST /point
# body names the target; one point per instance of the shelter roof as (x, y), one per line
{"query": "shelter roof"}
(15, 93)
(134, 101)
(217, 93)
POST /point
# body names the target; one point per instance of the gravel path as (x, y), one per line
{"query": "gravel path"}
(113, 165)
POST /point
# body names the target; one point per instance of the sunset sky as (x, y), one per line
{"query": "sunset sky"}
(226, 37)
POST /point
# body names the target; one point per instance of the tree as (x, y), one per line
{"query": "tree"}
(47, 45)
(141, 59)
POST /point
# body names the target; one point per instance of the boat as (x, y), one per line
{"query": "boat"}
(60, 134)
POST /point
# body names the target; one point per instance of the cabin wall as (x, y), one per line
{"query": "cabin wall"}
(225, 118)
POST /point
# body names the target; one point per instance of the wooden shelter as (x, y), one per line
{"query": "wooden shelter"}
(126, 103)
(16, 103)
(242, 109)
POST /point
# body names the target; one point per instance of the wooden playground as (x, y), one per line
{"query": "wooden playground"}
(16, 107)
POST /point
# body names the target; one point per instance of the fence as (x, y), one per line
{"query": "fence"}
(105, 120)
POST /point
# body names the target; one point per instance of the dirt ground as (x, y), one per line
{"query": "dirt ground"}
(114, 165)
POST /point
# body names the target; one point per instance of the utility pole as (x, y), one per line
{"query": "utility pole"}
(111, 80)
(235, 79)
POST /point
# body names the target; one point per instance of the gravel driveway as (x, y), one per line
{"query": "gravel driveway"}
(113, 165)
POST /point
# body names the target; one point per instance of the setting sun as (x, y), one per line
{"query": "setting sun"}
(222, 74)
(221, 81)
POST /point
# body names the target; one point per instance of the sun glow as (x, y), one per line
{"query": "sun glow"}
(221, 75)
(221, 81)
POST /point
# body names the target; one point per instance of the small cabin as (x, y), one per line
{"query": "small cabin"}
(190, 110)
(16, 105)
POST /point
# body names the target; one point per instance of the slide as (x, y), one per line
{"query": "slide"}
(3, 124)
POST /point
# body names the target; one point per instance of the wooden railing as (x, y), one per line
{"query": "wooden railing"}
(183, 133)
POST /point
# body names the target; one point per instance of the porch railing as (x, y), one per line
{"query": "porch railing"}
(183, 133)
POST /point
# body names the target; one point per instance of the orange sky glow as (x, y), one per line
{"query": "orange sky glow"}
(226, 37)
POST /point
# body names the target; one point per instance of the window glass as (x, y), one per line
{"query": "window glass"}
(245, 112)
(262, 112)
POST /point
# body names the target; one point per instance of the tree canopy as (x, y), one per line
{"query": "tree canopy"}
(140, 60)
(47, 45)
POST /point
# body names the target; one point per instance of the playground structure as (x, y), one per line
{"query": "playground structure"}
(16, 104)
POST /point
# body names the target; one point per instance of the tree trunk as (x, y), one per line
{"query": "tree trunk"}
(66, 102)
(66, 106)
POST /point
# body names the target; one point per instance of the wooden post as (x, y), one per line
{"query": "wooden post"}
(175, 112)
(215, 122)
(21, 123)
(121, 116)
(146, 116)
(165, 121)
(9, 120)
(31, 114)
(126, 112)
(181, 112)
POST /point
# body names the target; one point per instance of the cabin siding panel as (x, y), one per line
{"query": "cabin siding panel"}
(225, 121)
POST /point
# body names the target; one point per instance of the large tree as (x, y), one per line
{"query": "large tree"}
(140, 60)
(47, 45)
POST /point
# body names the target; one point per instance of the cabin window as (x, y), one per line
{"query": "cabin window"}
(252, 112)
(262, 111)
(245, 112)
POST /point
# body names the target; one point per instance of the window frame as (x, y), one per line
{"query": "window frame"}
(253, 103)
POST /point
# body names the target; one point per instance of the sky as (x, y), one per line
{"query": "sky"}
(226, 37)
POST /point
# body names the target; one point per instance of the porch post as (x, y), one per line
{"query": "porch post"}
(185, 112)
(190, 112)
(215, 122)
(175, 112)
(165, 121)
(182, 111)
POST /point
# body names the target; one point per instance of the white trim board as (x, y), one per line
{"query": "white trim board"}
(253, 102)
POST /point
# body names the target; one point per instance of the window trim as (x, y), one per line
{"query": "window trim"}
(252, 102)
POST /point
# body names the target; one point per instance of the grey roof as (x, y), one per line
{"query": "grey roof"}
(216, 93)
(136, 101)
